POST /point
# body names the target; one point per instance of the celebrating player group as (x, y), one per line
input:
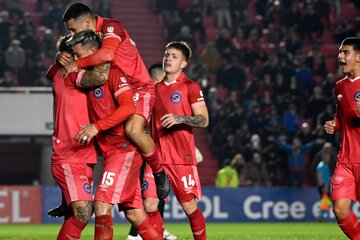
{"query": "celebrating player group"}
(104, 99)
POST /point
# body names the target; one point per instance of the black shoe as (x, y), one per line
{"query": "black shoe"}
(58, 212)
(162, 185)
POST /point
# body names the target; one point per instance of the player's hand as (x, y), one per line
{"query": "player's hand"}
(69, 68)
(169, 120)
(86, 133)
(329, 127)
(64, 58)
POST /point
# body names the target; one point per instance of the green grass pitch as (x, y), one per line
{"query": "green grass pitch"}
(216, 231)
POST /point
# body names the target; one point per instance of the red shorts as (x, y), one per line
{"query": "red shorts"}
(346, 182)
(184, 181)
(148, 184)
(119, 178)
(137, 203)
(75, 180)
(144, 102)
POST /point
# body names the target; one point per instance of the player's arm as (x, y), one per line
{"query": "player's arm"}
(95, 77)
(105, 54)
(332, 126)
(200, 119)
(125, 110)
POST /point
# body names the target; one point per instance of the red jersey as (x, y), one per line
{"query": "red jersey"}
(70, 112)
(127, 56)
(347, 93)
(101, 103)
(176, 144)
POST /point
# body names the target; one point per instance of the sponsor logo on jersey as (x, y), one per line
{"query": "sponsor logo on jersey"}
(357, 96)
(110, 29)
(145, 185)
(87, 187)
(339, 96)
(176, 97)
(98, 93)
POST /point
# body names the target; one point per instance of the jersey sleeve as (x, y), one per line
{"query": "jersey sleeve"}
(117, 82)
(73, 79)
(113, 33)
(113, 28)
(195, 94)
(53, 70)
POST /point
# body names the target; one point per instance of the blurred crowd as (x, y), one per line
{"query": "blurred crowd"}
(268, 70)
(267, 78)
(29, 31)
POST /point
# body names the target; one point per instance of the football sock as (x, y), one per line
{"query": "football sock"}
(161, 207)
(158, 221)
(71, 229)
(133, 232)
(104, 228)
(350, 226)
(153, 160)
(147, 231)
(198, 225)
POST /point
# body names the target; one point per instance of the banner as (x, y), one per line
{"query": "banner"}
(232, 205)
(20, 204)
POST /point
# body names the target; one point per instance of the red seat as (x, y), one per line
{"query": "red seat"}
(209, 21)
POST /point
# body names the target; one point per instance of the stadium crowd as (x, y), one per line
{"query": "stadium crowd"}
(264, 72)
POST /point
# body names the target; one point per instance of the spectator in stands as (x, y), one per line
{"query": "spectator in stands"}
(5, 25)
(222, 14)
(29, 43)
(311, 27)
(52, 16)
(186, 36)
(15, 57)
(194, 19)
(227, 176)
(25, 23)
(228, 149)
(315, 60)
(166, 9)
(223, 43)
(323, 180)
(296, 154)
(174, 26)
(255, 172)
(211, 57)
(315, 105)
(233, 76)
(9, 79)
(15, 9)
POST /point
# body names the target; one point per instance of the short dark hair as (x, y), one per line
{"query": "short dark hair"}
(76, 10)
(352, 41)
(86, 37)
(183, 47)
(62, 45)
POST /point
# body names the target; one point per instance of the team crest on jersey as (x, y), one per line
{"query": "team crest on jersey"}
(87, 187)
(176, 97)
(145, 185)
(98, 93)
(357, 96)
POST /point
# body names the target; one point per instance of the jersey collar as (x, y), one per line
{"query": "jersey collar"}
(99, 23)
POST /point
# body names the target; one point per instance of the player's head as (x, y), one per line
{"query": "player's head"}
(61, 44)
(156, 72)
(84, 43)
(78, 17)
(176, 56)
(349, 55)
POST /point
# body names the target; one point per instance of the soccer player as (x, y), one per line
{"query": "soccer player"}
(179, 107)
(109, 106)
(157, 74)
(72, 163)
(120, 49)
(346, 178)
